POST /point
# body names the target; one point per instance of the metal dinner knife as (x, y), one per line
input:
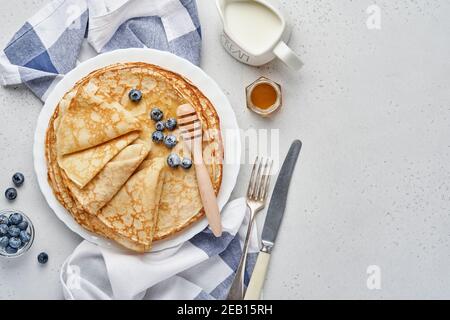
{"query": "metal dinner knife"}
(273, 220)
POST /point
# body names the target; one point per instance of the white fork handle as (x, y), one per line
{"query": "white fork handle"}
(258, 276)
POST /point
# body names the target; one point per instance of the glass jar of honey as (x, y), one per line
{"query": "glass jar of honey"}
(264, 96)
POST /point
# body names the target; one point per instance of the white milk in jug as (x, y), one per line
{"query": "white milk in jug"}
(255, 26)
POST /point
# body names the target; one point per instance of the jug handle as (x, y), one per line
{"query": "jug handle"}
(289, 57)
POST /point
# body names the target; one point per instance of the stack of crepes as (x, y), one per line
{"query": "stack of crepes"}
(103, 166)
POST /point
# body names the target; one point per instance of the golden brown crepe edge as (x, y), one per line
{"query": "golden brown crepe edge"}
(206, 106)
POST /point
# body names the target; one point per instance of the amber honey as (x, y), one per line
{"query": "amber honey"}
(264, 96)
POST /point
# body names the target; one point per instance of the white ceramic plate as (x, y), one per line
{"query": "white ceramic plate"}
(170, 62)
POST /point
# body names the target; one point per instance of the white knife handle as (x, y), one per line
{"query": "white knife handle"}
(258, 276)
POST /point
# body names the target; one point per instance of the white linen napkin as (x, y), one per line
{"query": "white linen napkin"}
(201, 268)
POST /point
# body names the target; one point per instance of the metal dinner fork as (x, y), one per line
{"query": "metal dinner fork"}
(256, 199)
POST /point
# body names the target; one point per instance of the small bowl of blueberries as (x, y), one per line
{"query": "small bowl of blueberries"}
(16, 233)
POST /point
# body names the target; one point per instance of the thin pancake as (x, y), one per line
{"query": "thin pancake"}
(82, 166)
(88, 221)
(133, 211)
(100, 190)
(165, 90)
(90, 131)
(91, 120)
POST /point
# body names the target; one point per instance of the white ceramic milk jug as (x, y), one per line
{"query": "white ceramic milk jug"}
(255, 32)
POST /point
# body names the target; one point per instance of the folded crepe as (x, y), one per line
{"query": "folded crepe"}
(81, 167)
(180, 198)
(133, 212)
(91, 120)
(88, 221)
(100, 228)
(180, 203)
(90, 132)
(100, 190)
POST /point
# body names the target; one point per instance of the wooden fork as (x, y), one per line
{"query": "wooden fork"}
(191, 131)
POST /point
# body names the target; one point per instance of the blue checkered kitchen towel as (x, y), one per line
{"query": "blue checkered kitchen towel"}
(46, 48)
(48, 44)
(201, 268)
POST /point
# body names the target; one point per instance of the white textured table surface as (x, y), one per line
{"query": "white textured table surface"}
(372, 187)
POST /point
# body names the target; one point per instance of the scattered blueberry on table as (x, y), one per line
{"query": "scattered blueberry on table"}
(186, 163)
(42, 258)
(18, 179)
(11, 194)
(157, 136)
(173, 160)
(156, 114)
(171, 123)
(160, 125)
(135, 95)
(170, 141)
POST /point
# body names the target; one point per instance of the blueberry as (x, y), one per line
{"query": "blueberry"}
(13, 231)
(18, 179)
(15, 242)
(3, 219)
(4, 241)
(24, 237)
(135, 95)
(10, 250)
(173, 160)
(160, 125)
(171, 123)
(4, 229)
(23, 225)
(11, 194)
(42, 258)
(156, 114)
(157, 136)
(186, 163)
(15, 218)
(170, 141)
